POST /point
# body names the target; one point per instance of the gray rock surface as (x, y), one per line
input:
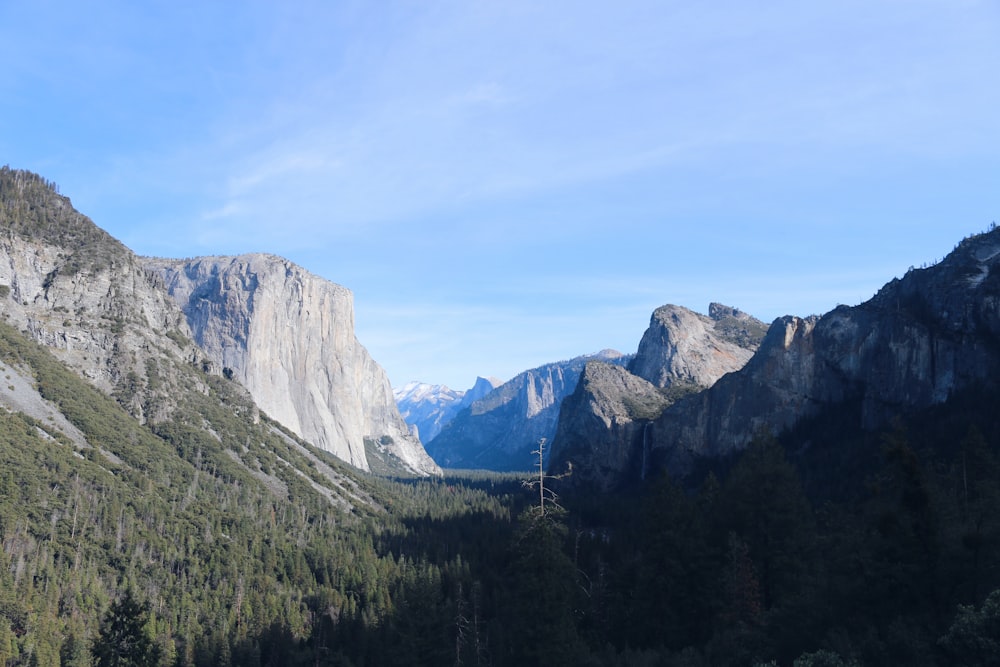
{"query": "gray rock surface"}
(288, 337)
(606, 428)
(915, 343)
(500, 430)
(73, 288)
(684, 347)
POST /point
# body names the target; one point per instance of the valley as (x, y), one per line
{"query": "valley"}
(200, 464)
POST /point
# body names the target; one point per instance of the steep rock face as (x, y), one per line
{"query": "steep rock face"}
(684, 347)
(604, 426)
(288, 337)
(72, 287)
(482, 388)
(427, 408)
(915, 343)
(499, 431)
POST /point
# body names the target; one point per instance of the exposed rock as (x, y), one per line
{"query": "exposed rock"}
(500, 430)
(482, 388)
(19, 394)
(288, 337)
(604, 429)
(72, 287)
(684, 347)
(914, 344)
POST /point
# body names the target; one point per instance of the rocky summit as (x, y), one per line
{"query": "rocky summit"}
(605, 425)
(682, 347)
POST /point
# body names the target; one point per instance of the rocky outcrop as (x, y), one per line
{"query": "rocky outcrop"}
(684, 347)
(481, 389)
(604, 430)
(427, 408)
(918, 341)
(606, 427)
(288, 337)
(75, 289)
(108, 315)
(499, 431)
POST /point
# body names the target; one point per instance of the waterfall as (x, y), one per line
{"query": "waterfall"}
(645, 451)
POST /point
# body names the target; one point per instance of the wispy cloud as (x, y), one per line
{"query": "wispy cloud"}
(229, 210)
(269, 168)
(537, 176)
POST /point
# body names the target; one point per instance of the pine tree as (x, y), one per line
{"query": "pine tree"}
(8, 645)
(123, 639)
(542, 594)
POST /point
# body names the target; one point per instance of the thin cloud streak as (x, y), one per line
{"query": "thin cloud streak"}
(537, 177)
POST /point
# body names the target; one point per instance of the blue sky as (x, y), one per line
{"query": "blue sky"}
(503, 184)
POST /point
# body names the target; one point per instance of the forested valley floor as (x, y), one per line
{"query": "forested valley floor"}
(156, 546)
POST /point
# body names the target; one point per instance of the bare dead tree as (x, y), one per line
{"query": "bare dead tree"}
(545, 494)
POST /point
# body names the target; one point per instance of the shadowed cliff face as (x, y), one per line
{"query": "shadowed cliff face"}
(606, 428)
(288, 337)
(918, 341)
(915, 343)
(500, 430)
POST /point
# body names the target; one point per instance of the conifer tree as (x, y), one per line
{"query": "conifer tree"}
(123, 639)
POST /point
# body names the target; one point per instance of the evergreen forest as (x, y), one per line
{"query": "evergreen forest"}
(213, 536)
(860, 549)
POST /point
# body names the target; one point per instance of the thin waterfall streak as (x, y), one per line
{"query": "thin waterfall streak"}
(645, 451)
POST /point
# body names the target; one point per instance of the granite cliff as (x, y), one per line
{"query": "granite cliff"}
(108, 315)
(288, 337)
(918, 341)
(682, 347)
(605, 427)
(500, 430)
(73, 288)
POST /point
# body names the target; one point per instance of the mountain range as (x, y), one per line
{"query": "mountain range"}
(500, 430)
(682, 351)
(201, 465)
(919, 341)
(428, 407)
(285, 335)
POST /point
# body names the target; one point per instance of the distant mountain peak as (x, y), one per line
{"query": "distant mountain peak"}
(500, 428)
(427, 408)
